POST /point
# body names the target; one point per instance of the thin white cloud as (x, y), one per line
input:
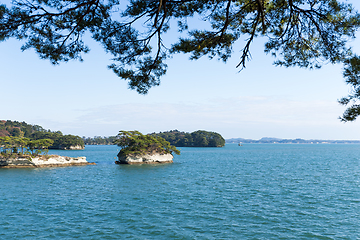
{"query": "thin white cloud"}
(233, 117)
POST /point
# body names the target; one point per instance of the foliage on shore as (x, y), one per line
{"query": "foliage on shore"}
(198, 138)
(23, 147)
(35, 132)
(97, 140)
(60, 141)
(135, 143)
(18, 129)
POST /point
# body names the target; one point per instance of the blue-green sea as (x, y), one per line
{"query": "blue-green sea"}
(256, 191)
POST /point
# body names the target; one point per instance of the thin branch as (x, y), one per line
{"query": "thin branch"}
(135, 19)
(288, 23)
(46, 13)
(227, 16)
(157, 13)
(246, 49)
(78, 23)
(159, 34)
(262, 15)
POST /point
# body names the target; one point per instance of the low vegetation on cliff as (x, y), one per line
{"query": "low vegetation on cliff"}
(135, 143)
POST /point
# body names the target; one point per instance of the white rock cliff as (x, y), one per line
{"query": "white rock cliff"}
(145, 159)
(43, 161)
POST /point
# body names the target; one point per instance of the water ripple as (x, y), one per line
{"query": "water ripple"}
(252, 192)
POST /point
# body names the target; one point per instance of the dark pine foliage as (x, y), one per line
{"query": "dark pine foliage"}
(301, 33)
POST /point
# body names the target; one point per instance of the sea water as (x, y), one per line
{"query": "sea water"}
(256, 191)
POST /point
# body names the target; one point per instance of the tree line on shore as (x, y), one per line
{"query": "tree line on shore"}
(97, 140)
(21, 146)
(134, 143)
(176, 138)
(35, 132)
(15, 129)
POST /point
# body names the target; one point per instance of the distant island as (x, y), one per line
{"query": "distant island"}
(98, 140)
(176, 138)
(35, 132)
(289, 141)
(198, 138)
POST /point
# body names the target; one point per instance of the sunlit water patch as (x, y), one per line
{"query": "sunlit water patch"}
(257, 191)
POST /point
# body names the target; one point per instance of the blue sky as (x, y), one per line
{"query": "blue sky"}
(87, 99)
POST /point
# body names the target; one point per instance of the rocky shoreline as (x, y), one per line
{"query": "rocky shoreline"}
(43, 161)
(74, 147)
(145, 159)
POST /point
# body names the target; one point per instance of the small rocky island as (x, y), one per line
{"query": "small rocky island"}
(143, 149)
(42, 161)
(20, 152)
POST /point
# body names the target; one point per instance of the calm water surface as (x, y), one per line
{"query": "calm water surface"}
(259, 191)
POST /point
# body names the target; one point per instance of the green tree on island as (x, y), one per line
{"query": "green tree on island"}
(301, 33)
(135, 143)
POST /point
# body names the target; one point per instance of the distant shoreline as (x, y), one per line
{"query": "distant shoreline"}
(290, 141)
